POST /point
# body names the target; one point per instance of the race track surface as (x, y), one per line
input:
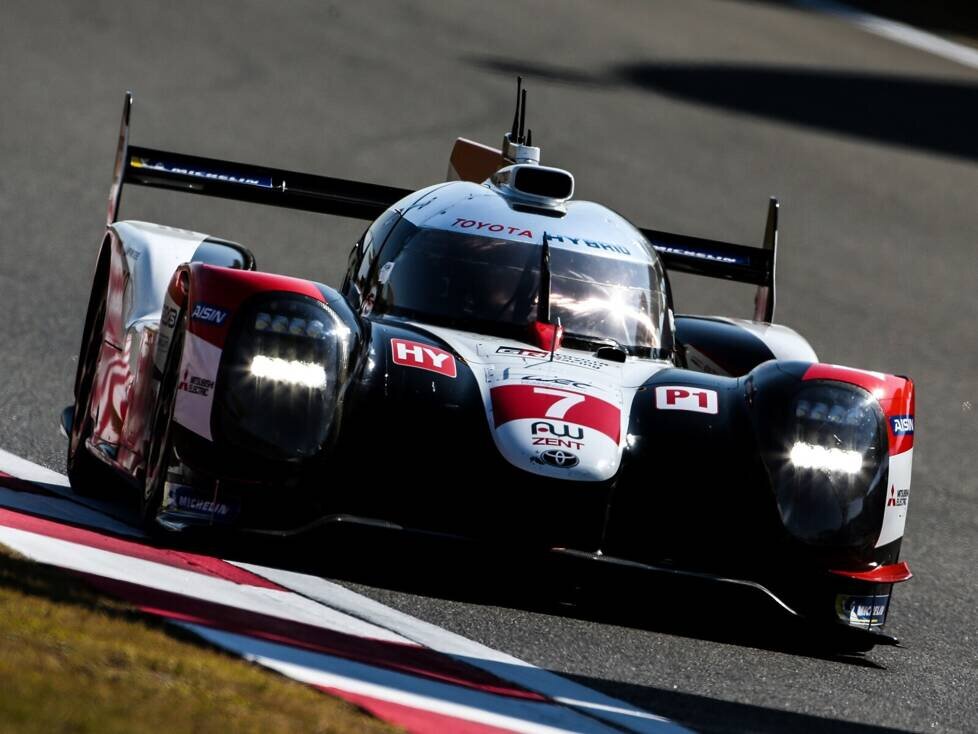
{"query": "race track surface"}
(684, 116)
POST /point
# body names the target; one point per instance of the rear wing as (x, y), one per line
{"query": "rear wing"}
(346, 198)
(242, 181)
(716, 259)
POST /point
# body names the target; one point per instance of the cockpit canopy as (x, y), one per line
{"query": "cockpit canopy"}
(486, 284)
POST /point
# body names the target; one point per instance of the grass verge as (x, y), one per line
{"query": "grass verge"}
(72, 660)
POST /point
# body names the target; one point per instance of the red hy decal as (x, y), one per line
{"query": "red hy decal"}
(423, 356)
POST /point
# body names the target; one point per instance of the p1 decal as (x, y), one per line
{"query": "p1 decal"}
(517, 402)
(424, 357)
(209, 314)
(684, 397)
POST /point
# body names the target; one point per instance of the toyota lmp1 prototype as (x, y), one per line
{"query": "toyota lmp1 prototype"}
(501, 361)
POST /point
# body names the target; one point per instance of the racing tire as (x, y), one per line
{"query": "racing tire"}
(88, 476)
(160, 454)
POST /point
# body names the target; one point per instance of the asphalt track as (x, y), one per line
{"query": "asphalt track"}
(683, 116)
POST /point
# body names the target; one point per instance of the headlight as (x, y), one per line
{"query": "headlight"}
(284, 363)
(289, 371)
(809, 456)
(830, 466)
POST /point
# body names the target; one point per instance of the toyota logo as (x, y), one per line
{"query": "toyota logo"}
(558, 458)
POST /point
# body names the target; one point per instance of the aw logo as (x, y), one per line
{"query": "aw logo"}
(562, 435)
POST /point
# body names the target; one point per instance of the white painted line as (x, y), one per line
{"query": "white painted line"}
(15, 466)
(533, 717)
(468, 651)
(323, 604)
(895, 31)
(272, 602)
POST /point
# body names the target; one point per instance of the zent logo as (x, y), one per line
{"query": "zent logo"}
(424, 357)
(684, 397)
(902, 425)
(210, 314)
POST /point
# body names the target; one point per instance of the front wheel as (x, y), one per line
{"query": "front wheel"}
(87, 475)
(161, 457)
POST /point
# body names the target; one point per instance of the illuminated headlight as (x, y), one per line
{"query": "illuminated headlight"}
(316, 329)
(294, 326)
(305, 374)
(828, 465)
(280, 324)
(810, 456)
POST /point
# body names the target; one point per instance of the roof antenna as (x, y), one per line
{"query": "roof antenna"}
(516, 112)
(529, 138)
(522, 116)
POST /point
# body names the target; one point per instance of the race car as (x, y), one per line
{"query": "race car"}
(501, 362)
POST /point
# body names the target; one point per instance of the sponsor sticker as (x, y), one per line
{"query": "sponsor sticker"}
(558, 458)
(493, 227)
(169, 316)
(897, 498)
(572, 359)
(701, 254)
(558, 381)
(552, 407)
(264, 182)
(423, 356)
(195, 385)
(902, 425)
(593, 244)
(558, 434)
(185, 498)
(209, 314)
(862, 611)
(684, 397)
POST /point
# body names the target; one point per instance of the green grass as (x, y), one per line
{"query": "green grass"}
(72, 660)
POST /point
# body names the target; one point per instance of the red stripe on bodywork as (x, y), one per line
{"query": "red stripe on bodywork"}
(206, 565)
(892, 574)
(402, 657)
(228, 288)
(414, 720)
(895, 396)
(517, 402)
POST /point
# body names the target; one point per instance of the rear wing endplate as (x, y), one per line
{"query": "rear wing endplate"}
(716, 259)
(346, 198)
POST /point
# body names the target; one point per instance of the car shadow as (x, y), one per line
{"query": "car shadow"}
(539, 582)
(923, 113)
(712, 716)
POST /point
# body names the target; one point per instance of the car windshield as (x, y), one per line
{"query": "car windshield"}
(492, 285)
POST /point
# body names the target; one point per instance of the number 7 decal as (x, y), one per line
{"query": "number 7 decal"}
(560, 407)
